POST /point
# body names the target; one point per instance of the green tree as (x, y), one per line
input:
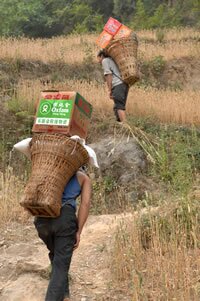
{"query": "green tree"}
(123, 10)
(11, 15)
(151, 5)
(46, 18)
(164, 16)
(190, 11)
(140, 20)
(104, 8)
(79, 17)
(39, 23)
(19, 17)
(196, 11)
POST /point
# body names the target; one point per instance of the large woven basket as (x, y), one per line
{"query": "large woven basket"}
(124, 53)
(55, 158)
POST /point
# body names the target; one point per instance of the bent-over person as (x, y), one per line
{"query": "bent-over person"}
(61, 235)
(118, 89)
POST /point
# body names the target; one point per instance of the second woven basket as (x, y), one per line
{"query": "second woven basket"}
(55, 159)
(124, 53)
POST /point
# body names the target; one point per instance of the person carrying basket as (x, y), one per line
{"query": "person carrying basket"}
(61, 235)
(118, 89)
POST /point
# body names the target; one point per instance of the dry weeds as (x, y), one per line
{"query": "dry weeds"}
(165, 271)
(161, 269)
(11, 190)
(164, 105)
(73, 49)
(177, 34)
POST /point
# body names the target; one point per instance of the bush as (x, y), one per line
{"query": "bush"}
(160, 35)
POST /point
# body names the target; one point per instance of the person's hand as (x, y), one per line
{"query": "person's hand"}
(78, 238)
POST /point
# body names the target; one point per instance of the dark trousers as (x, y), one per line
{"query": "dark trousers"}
(119, 94)
(59, 235)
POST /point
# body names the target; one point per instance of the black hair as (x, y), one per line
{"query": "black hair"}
(102, 52)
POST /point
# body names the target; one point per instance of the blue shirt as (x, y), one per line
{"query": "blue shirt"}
(71, 192)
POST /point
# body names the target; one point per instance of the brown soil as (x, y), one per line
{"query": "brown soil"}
(184, 72)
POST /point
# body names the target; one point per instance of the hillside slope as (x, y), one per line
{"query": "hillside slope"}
(178, 72)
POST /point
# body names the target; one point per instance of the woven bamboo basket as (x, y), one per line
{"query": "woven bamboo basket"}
(55, 159)
(124, 53)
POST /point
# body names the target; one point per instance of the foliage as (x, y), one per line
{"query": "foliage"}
(163, 14)
(46, 18)
(20, 17)
(179, 159)
(123, 10)
(152, 70)
(177, 163)
(160, 35)
(157, 65)
(109, 196)
(140, 20)
(180, 217)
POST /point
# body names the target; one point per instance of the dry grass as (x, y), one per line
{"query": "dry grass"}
(73, 49)
(178, 43)
(167, 106)
(170, 50)
(177, 34)
(70, 49)
(163, 271)
(11, 190)
(165, 268)
(164, 105)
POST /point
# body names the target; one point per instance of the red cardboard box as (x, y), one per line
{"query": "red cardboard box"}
(123, 32)
(112, 26)
(104, 39)
(65, 112)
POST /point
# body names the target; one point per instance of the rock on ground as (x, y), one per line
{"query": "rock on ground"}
(120, 158)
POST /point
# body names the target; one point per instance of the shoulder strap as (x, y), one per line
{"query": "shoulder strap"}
(116, 74)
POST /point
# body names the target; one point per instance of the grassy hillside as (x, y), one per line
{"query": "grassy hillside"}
(165, 105)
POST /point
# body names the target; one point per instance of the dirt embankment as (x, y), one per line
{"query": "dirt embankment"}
(176, 74)
(183, 73)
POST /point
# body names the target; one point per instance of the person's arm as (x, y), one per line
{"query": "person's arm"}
(108, 74)
(83, 211)
(109, 83)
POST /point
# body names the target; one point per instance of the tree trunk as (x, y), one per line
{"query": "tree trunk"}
(171, 3)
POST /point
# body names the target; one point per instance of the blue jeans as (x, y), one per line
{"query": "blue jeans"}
(59, 235)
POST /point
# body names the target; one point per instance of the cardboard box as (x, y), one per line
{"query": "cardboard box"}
(112, 26)
(104, 39)
(62, 112)
(123, 32)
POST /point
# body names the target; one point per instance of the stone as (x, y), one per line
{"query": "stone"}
(123, 160)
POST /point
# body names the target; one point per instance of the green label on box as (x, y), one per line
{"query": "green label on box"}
(84, 106)
(54, 112)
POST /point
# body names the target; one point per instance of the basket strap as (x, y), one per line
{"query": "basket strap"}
(118, 76)
(74, 147)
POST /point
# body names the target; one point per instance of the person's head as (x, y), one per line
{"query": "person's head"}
(101, 55)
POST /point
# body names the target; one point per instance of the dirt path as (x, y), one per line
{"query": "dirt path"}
(24, 264)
